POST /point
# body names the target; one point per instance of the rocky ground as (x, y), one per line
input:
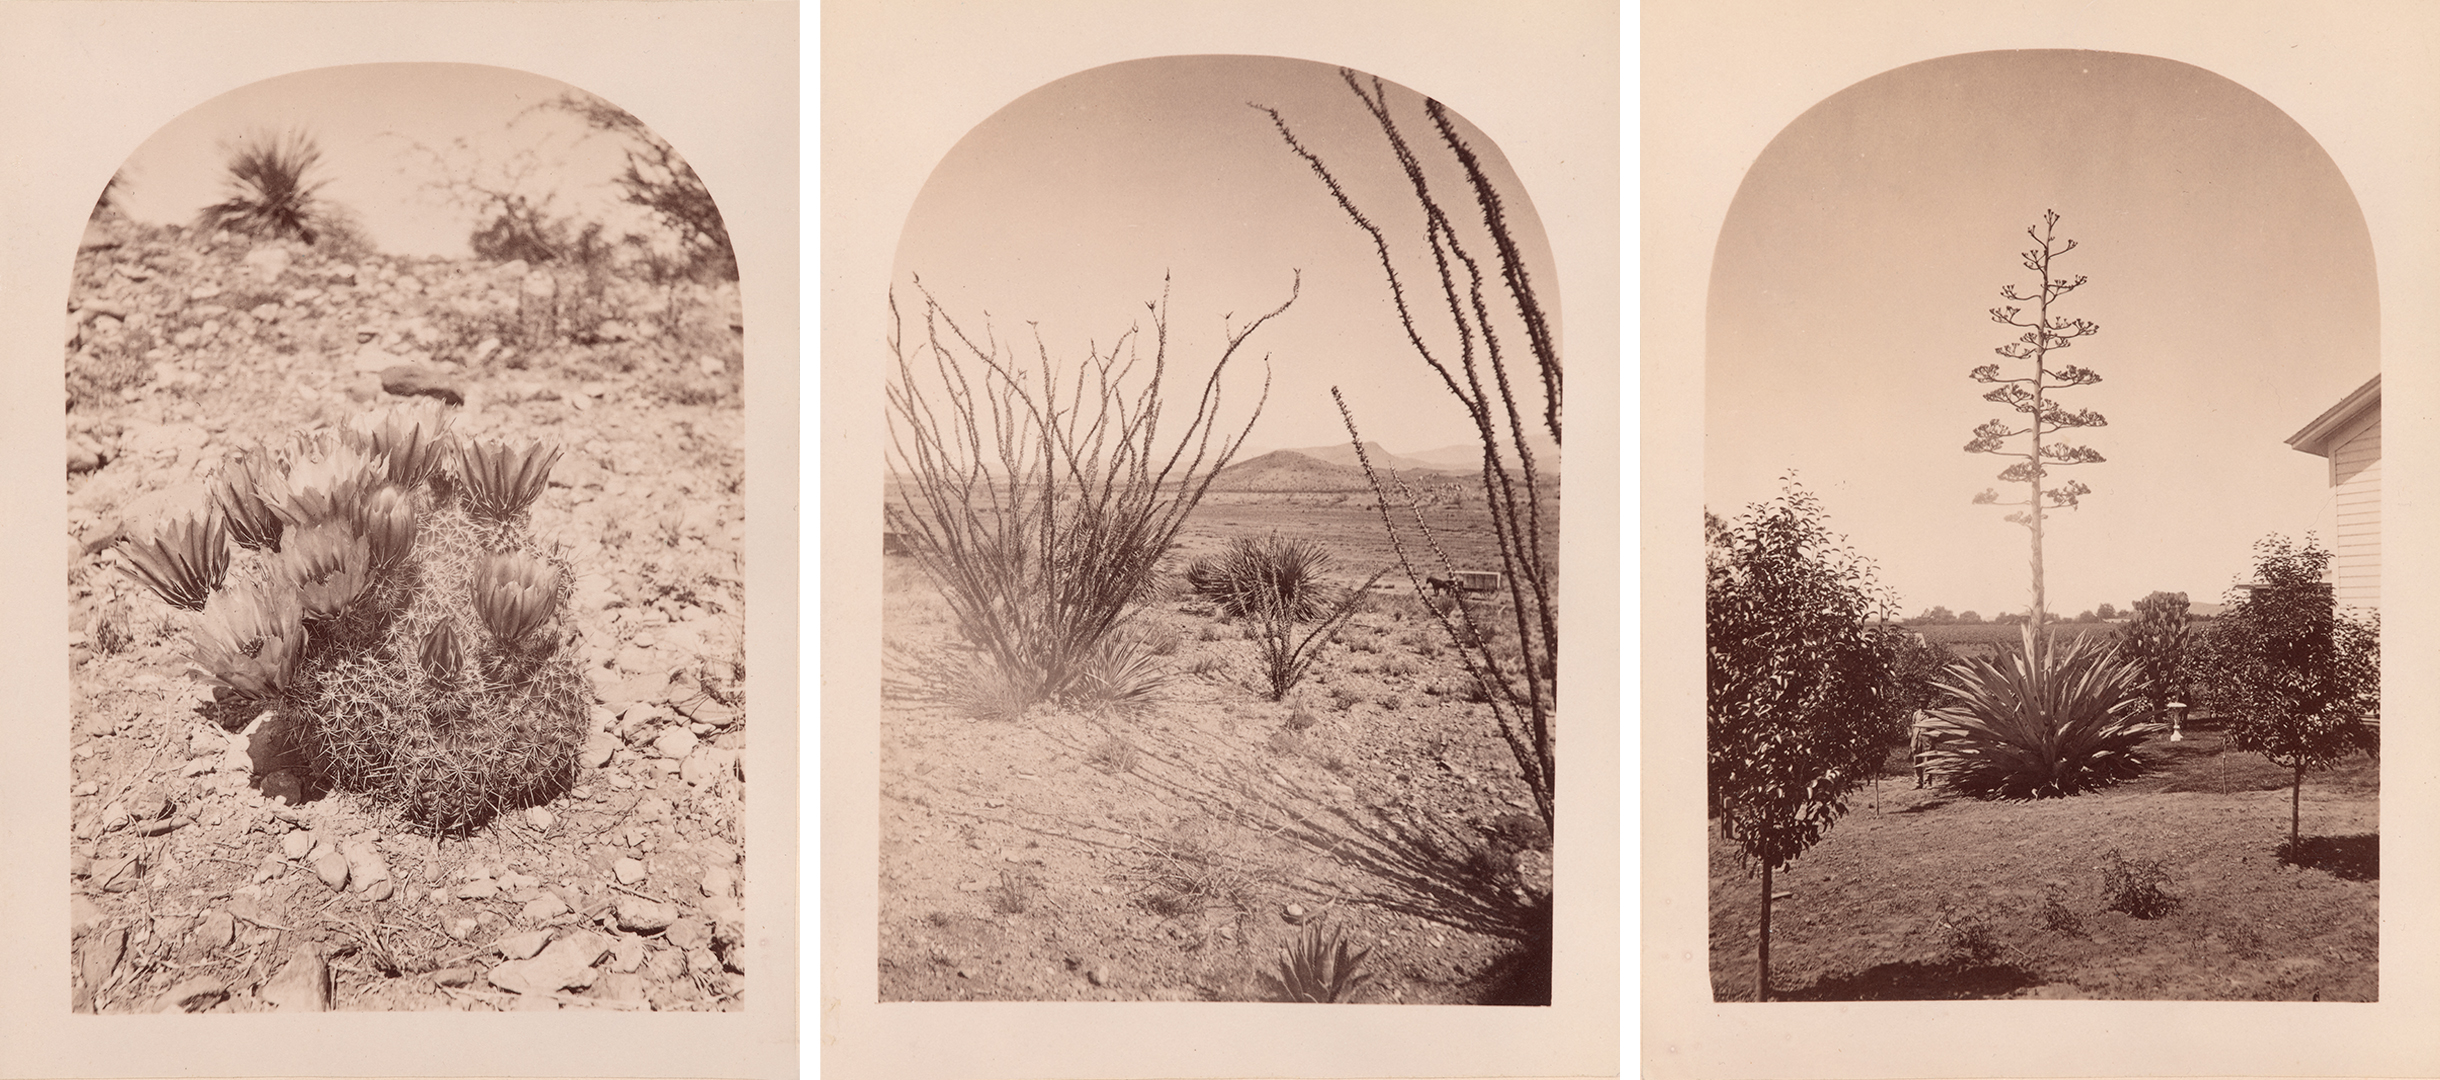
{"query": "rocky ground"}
(209, 872)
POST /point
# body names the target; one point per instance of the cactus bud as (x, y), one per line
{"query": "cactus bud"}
(440, 655)
(249, 642)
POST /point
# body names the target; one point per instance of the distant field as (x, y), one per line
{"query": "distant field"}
(2000, 633)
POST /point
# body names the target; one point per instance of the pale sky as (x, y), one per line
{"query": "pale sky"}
(1067, 206)
(367, 119)
(2229, 269)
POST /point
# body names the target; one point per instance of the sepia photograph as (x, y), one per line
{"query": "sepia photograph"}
(406, 630)
(2119, 606)
(1221, 551)
(2037, 370)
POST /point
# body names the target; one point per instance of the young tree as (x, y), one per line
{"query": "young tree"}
(1804, 686)
(2162, 645)
(2302, 679)
(2030, 394)
(2106, 611)
(1970, 618)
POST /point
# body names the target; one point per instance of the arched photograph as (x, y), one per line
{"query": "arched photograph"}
(405, 492)
(1220, 566)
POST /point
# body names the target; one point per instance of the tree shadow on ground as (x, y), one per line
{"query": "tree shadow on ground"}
(1926, 806)
(2349, 858)
(1917, 981)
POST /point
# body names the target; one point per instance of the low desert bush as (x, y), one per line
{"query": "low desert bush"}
(1015, 892)
(1196, 866)
(2058, 918)
(1115, 755)
(2134, 886)
(1970, 935)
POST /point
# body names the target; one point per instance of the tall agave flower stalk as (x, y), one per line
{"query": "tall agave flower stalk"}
(328, 565)
(514, 593)
(249, 639)
(501, 482)
(238, 491)
(184, 562)
(2058, 718)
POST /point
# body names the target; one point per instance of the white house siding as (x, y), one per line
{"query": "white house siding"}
(2355, 477)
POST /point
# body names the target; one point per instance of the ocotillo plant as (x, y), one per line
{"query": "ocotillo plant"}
(395, 612)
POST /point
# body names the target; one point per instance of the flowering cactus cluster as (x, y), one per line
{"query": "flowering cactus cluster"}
(393, 606)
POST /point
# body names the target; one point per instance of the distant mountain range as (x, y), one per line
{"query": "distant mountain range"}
(1459, 457)
(1335, 468)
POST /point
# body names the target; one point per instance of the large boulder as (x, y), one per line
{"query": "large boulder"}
(410, 380)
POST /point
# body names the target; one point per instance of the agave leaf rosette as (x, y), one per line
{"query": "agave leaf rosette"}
(514, 592)
(328, 565)
(2055, 719)
(1319, 969)
(238, 492)
(388, 518)
(249, 639)
(184, 561)
(500, 481)
(326, 481)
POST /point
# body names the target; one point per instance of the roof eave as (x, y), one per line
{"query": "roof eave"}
(2315, 437)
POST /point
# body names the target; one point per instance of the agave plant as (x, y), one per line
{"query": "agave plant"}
(249, 641)
(388, 518)
(500, 482)
(238, 492)
(1319, 969)
(514, 592)
(184, 562)
(328, 565)
(413, 440)
(326, 481)
(271, 188)
(441, 655)
(2055, 719)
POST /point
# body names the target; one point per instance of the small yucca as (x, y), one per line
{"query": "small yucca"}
(328, 565)
(501, 482)
(184, 562)
(238, 493)
(271, 189)
(514, 593)
(1319, 969)
(441, 655)
(248, 640)
(388, 517)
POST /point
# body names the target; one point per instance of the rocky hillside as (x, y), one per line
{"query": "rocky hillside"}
(210, 870)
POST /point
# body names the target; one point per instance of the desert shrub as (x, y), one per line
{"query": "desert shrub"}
(1015, 892)
(1286, 743)
(1318, 969)
(2054, 719)
(2134, 886)
(1970, 935)
(1041, 501)
(1114, 755)
(2058, 918)
(406, 639)
(1284, 657)
(1195, 866)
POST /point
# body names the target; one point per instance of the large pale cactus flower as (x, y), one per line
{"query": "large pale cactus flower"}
(248, 641)
(328, 565)
(388, 518)
(238, 491)
(413, 440)
(500, 481)
(184, 561)
(514, 593)
(326, 481)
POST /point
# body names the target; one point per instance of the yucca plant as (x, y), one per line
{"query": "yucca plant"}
(2057, 718)
(514, 593)
(249, 640)
(500, 482)
(183, 562)
(271, 188)
(1257, 573)
(239, 495)
(1319, 969)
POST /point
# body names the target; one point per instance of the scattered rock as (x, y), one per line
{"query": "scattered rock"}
(365, 866)
(627, 955)
(566, 964)
(194, 995)
(598, 749)
(297, 844)
(538, 817)
(641, 916)
(1100, 975)
(461, 927)
(453, 976)
(268, 262)
(117, 875)
(675, 744)
(629, 871)
(522, 946)
(217, 930)
(83, 915)
(1293, 913)
(85, 455)
(303, 985)
(544, 908)
(717, 881)
(284, 786)
(409, 380)
(689, 933)
(478, 889)
(329, 864)
(621, 986)
(101, 957)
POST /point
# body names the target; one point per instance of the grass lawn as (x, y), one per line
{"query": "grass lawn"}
(1931, 896)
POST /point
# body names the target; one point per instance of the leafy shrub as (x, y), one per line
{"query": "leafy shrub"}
(2134, 886)
(1319, 969)
(2054, 719)
(401, 637)
(2058, 918)
(1970, 935)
